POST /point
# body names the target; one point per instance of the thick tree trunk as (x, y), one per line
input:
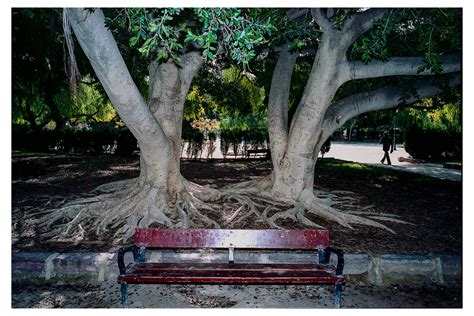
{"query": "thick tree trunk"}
(160, 195)
(294, 172)
(169, 85)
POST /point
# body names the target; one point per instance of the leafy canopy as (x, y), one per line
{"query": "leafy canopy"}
(412, 32)
(217, 32)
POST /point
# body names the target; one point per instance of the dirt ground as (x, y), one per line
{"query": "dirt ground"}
(432, 206)
(107, 295)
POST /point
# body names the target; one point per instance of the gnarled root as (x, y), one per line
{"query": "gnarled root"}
(315, 206)
(321, 204)
(122, 206)
(125, 205)
(296, 214)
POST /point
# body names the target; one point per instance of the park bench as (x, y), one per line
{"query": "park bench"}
(232, 271)
(258, 152)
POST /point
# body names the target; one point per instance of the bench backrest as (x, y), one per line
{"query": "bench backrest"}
(231, 238)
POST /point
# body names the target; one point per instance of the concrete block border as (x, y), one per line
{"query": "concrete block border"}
(376, 269)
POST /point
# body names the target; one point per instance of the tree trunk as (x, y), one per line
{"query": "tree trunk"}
(294, 172)
(160, 195)
(169, 85)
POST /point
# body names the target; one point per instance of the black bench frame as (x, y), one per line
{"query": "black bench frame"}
(139, 251)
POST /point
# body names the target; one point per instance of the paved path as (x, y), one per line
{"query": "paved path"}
(371, 153)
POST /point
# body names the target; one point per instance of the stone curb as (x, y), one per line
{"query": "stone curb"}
(376, 269)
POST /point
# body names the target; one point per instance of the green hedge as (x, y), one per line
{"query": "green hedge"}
(432, 144)
(97, 140)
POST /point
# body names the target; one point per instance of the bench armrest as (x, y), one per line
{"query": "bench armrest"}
(120, 258)
(340, 259)
(325, 254)
(121, 254)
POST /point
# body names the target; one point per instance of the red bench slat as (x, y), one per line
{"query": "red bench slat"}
(226, 238)
(227, 273)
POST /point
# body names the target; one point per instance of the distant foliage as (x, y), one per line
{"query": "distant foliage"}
(241, 133)
(434, 133)
(97, 139)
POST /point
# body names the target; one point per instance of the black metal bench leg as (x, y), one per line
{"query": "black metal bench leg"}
(337, 288)
(123, 294)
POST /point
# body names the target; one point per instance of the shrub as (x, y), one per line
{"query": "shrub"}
(98, 139)
(126, 143)
(432, 144)
(195, 139)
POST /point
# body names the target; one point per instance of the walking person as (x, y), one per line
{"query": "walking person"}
(392, 133)
(387, 144)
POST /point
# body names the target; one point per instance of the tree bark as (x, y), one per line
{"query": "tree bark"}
(295, 170)
(169, 85)
(278, 106)
(397, 66)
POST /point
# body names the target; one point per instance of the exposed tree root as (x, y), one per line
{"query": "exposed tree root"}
(124, 205)
(344, 219)
(296, 214)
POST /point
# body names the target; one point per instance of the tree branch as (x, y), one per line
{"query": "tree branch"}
(381, 99)
(360, 23)
(278, 102)
(295, 14)
(398, 66)
(101, 49)
(321, 19)
(191, 63)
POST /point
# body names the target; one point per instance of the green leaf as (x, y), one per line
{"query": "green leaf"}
(366, 58)
(299, 43)
(133, 41)
(210, 55)
(190, 37)
(152, 26)
(165, 30)
(162, 54)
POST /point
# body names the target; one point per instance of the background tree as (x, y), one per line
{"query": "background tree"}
(432, 128)
(41, 89)
(37, 60)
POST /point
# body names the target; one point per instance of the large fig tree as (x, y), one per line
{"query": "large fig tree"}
(353, 45)
(348, 45)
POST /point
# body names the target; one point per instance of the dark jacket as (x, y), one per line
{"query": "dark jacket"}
(387, 142)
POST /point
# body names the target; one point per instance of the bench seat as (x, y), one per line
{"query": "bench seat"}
(225, 273)
(234, 271)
